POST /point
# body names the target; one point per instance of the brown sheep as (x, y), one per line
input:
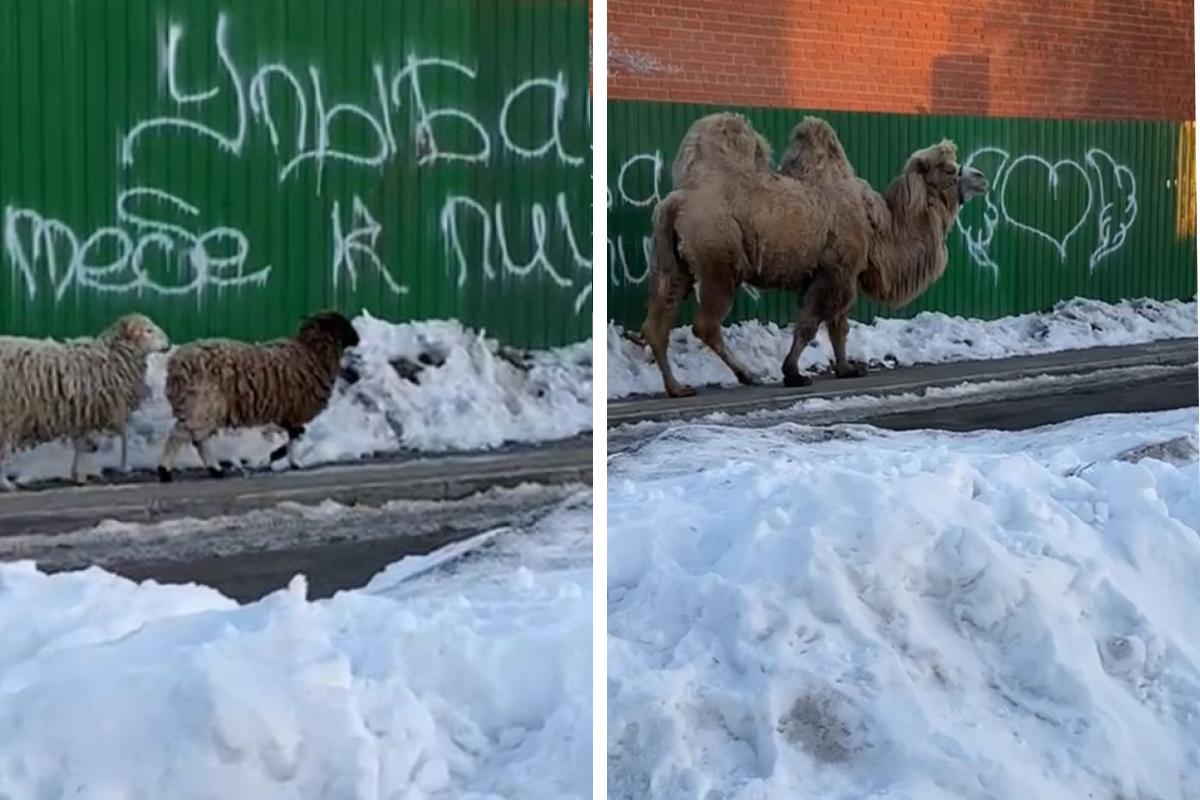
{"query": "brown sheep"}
(823, 236)
(218, 384)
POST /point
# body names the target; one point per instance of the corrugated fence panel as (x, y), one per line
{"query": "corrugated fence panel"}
(228, 169)
(1104, 210)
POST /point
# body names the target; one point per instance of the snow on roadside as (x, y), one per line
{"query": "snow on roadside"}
(845, 612)
(469, 681)
(428, 386)
(929, 337)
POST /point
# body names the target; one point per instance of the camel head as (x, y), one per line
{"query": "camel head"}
(934, 175)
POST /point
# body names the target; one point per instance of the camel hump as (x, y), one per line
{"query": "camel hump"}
(719, 143)
(815, 152)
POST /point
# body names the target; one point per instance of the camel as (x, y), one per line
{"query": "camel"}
(812, 227)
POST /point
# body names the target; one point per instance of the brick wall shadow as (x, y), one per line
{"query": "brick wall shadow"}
(959, 84)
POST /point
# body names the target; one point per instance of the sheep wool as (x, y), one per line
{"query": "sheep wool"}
(221, 384)
(73, 390)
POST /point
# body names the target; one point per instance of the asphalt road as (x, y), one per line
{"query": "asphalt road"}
(1177, 353)
(451, 477)
(250, 555)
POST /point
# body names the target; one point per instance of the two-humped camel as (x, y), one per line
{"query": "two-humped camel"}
(812, 226)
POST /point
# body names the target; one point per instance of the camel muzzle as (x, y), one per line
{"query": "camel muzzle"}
(971, 183)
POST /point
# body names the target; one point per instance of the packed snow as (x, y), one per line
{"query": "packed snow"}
(840, 613)
(429, 386)
(927, 338)
(465, 674)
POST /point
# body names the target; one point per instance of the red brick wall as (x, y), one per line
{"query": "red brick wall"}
(1074, 59)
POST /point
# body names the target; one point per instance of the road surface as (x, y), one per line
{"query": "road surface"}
(1004, 393)
(450, 477)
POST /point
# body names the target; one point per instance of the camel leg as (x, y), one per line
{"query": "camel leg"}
(665, 298)
(715, 302)
(838, 328)
(808, 321)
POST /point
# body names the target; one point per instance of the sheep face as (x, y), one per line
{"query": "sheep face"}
(139, 331)
(332, 326)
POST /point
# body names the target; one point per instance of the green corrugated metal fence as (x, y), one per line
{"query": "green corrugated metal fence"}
(229, 168)
(1104, 210)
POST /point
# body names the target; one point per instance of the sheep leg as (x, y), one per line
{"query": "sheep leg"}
(5, 484)
(289, 449)
(666, 293)
(838, 328)
(214, 469)
(124, 450)
(83, 445)
(175, 442)
(715, 303)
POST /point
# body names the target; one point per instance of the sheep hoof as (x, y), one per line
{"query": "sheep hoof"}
(226, 466)
(217, 472)
(279, 453)
(164, 475)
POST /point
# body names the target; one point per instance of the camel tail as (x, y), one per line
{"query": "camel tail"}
(667, 266)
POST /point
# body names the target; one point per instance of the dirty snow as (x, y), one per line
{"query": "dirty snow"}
(427, 387)
(848, 613)
(927, 338)
(465, 674)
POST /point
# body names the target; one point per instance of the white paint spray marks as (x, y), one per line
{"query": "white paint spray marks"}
(462, 214)
(359, 242)
(1102, 192)
(400, 117)
(623, 60)
(639, 186)
(140, 254)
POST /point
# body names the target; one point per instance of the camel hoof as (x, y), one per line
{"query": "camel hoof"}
(851, 370)
(682, 391)
(164, 475)
(796, 380)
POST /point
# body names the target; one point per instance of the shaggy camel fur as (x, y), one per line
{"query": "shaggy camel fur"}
(219, 384)
(818, 230)
(75, 389)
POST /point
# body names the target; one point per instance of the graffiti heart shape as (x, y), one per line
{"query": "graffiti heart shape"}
(1054, 172)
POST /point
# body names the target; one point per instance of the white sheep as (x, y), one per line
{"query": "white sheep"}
(74, 390)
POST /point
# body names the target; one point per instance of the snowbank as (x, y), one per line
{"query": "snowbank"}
(847, 613)
(429, 386)
(470, 682)
(927, 338)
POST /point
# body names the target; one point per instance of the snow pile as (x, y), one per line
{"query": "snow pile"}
(437, 386)
(928, 338)
(472, 681)
(429, 386)
(846, 613)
